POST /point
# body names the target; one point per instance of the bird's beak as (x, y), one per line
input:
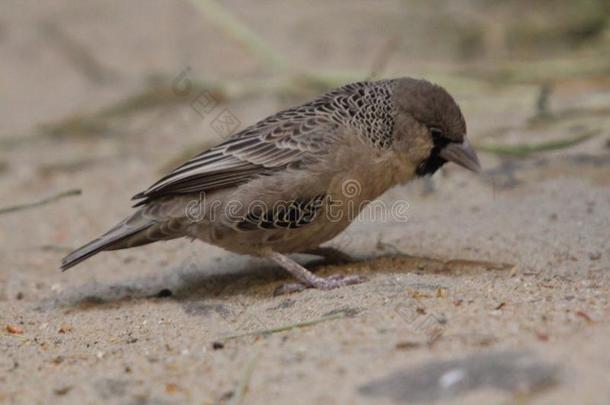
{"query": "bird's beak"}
(463, 154)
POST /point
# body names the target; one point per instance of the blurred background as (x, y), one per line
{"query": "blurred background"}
(96, 81)
(102, 71)
(100, 98)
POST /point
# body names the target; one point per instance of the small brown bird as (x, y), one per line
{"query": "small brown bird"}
(297, 178)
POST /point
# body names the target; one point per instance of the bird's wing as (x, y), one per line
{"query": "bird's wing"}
(289, 138)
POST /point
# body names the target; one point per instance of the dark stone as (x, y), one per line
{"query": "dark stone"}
(507, 370)
(164, 293)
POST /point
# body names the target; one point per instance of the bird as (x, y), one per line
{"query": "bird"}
(298, 178)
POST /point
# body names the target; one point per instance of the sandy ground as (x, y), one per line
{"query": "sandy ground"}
(495, 289)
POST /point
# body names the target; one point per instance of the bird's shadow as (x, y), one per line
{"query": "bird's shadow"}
(243, 277)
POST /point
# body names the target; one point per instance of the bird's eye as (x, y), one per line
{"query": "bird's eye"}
(437, 134)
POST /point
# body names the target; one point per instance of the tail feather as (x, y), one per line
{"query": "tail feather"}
(113, 239)
(152, 223)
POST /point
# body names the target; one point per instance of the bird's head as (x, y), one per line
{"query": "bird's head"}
(430, 129)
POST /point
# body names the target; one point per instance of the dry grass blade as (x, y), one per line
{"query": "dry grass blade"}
(338, 315)
(523, 150)
(556, 70)
(99, 122)
(244, 380)
(382, 59)
(80, 56)
(15, 335)
(44, 201)
(237, 30)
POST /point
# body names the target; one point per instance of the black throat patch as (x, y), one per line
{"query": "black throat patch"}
(434, 161)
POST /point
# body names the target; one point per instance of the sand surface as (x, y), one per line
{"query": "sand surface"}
(495, 289)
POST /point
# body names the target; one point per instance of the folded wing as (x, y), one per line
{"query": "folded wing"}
(289, 138)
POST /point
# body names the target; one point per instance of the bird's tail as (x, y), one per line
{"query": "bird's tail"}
(135, 230)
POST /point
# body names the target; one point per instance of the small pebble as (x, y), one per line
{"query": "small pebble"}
(408, 345)
(15, 330)
(62, 391)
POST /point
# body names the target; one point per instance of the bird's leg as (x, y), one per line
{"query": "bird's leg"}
(331, 255)
(306, 278)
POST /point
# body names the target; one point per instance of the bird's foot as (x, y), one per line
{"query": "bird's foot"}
(321, 283)
(306, 278)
